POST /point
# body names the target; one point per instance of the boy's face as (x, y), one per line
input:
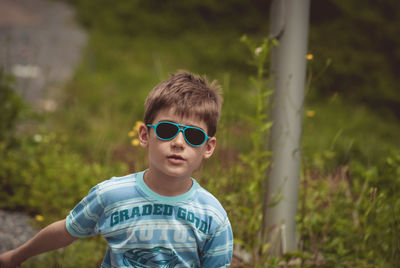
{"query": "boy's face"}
(174, 158)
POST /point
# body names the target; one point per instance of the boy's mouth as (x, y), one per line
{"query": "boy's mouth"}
(175, 157)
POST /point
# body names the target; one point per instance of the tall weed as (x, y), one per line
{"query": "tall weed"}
(239, 175)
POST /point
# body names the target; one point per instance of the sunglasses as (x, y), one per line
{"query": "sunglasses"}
(166, 131)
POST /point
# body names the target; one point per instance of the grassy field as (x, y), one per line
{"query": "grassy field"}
(349, 151)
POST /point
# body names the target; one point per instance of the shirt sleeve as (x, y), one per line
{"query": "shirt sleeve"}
(217, 251)
(83, 219)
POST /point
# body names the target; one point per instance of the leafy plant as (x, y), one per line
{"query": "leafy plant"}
(11, 109)
(239, 184)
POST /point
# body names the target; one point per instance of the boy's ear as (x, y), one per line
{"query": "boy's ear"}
(143, 135)
(210, 146)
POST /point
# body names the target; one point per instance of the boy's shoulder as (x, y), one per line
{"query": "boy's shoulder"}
(205, 197)
(205, 200)
(116, 184)
(118, 181)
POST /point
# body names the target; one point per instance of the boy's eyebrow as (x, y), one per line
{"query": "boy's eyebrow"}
(167, 120)
(172, 121)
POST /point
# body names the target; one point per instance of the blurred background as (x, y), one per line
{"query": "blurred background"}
(74, 76)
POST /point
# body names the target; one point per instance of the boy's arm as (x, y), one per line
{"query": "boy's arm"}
(218, 250)
(52, 237)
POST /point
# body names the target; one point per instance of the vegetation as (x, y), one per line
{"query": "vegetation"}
(348, 210)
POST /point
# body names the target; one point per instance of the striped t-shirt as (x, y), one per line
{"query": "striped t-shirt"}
(144, 229)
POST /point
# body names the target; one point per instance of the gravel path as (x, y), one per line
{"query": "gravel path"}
(40, 43)
(15, 229)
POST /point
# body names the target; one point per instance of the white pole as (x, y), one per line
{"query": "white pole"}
(289, 24)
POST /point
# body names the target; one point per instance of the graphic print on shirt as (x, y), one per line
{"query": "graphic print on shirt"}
(150, 210)
(155, 257)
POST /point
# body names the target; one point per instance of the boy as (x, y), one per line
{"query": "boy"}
(160, 217)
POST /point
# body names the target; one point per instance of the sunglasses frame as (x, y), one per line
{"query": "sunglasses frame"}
(181, 128)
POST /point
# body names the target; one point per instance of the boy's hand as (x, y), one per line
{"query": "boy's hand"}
(7, 260)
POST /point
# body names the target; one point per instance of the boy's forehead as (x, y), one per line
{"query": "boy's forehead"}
(171, 114)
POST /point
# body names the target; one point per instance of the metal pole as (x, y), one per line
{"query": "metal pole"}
(289, 24)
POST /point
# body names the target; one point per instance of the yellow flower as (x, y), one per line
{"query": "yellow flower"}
(310, 113)
(135, 142)
(39, 218)
(137, 126)
(258, 50)
(135, 132)
(309, 56)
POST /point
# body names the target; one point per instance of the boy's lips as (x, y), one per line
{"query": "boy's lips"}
(175, 157)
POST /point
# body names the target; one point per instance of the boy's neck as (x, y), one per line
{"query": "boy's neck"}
(167, 186)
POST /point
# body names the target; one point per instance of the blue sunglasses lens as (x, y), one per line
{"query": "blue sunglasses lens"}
(167, 131)
(195, 136)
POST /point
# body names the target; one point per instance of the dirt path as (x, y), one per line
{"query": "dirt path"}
(41, 44)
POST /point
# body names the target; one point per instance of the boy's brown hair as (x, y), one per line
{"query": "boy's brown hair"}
(189, 95)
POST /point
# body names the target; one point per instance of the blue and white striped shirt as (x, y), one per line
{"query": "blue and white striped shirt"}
(144, 229)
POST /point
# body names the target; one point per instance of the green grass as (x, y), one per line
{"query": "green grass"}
(341, 132)
(87, 139)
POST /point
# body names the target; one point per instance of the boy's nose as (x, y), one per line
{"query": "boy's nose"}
(179, 140)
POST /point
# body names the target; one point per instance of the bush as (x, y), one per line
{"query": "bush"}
(38, 172)
(11, 109)
(169, 18)
(350, 218)
(43, 176)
